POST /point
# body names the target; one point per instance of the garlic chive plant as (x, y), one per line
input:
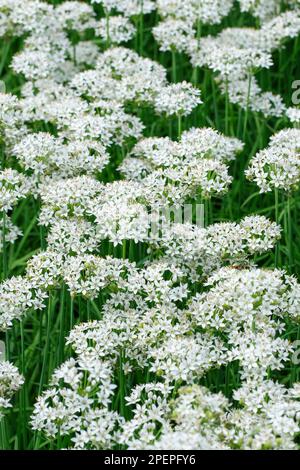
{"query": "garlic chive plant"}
(276, 168)
(149, 291)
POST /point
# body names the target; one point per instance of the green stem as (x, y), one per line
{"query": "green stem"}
(71, 312)
(213, 85)
(174, 67)
(247, 106)
(124, 249)
(121, 384)
(3, 434)
(107, 29)
(4, 54)
(226, 109)
(277, 247)
(23, 415)
(74, 55)
(289, 236)
(141, 30)
(88, 309)
(179, 120)
(4, 253)
(199, 30)
(47, 343)
(62, 332)
(2, 151)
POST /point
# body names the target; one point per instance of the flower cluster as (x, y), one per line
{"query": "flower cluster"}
(116, 30)
(174, 330)
(277, 166)
(142, 326)
(10, 382)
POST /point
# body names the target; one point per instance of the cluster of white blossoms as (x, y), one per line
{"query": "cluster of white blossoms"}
(116, 29)
(277, 166)
(196, 144)
(235, 54)
(13, 187)
(247, 94)
(152, 332)
(10, 232)
(200, 251)
(194, 11)
(10, 382)
(18, 296)
(178, 98)
(129, 8)
(170, 171)
(262, 9)
(293, 115)
(143, 327)
(173, 34)
(198, 419)
(73, 243)
(45, 155)
(11, 119)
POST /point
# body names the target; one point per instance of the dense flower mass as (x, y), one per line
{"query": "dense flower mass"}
(278, 166)
(10, 382)
(149, 283)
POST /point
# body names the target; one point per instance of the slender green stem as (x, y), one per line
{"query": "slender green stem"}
(179, 120)
(199, 31)
(141, 30)
(107, 29)
(213, 85)
(195, 76)
(23, 414)
(174, 67)
(124, 249)
(295, 369)
(47, 343)
(2, 153)
(277, 247)
(4, 445)
(62, 332)
(247, 106)
(4, 54)
(4, 252)
(122, 383)
(72, 321)
(170, 128)
(226, 109)
(289, 235)
(88, 310)
(74, 55)
(195, 69)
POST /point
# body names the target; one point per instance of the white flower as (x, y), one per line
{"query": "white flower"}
(13, 186)
(116, 29)
(10, 382)
(294, 115)
(277, 166)
(173, 35)
(179, 99)
(135, 7)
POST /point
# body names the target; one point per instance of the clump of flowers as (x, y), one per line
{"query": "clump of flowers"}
(140, 295)
(278, 165)
(115, 30)
(10, 382)
(177, 99)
